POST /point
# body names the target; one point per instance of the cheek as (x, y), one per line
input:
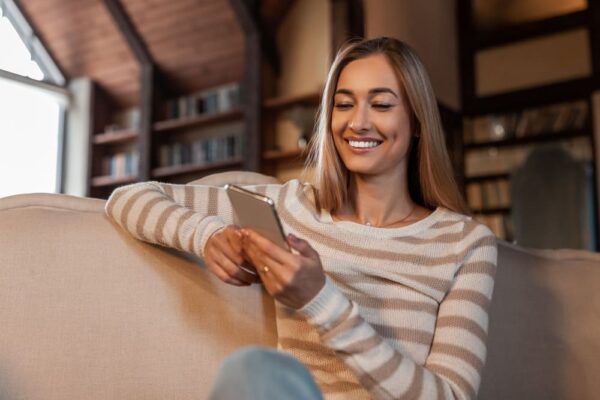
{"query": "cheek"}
(338, 122)
(393, 126)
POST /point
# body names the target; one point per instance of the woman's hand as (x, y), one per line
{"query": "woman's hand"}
(224, 256)
(292, 279)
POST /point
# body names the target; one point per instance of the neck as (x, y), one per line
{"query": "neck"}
(380, 200)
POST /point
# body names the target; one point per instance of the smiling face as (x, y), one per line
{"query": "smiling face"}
(370, 119)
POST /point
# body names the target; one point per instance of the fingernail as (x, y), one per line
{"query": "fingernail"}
(292, 237)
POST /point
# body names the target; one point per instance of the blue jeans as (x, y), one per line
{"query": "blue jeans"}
(262, 373)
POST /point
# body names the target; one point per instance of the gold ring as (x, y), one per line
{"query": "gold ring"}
(265, 269)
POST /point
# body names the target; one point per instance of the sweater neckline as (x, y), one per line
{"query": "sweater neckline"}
(356, 227)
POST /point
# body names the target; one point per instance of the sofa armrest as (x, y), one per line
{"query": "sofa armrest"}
(89, 312)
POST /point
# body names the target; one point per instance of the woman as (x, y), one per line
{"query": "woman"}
(387, 293)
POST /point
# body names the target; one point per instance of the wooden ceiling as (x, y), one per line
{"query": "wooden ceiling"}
(194, 44)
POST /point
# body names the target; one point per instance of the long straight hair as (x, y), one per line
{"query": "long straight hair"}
(431, 180)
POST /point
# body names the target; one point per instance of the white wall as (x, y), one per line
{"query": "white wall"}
(76, 151)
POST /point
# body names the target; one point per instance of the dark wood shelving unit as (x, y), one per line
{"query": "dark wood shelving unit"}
(473, 40)
(198, 121)
(487, 177)
(539, 138)
(290, 154)
(280, 103)
(527, 30)
(105, 181)
(120, 136)
(569, 90)
(164, 172)
(489, 211)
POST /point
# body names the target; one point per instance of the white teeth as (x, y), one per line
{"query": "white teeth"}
(363, 144)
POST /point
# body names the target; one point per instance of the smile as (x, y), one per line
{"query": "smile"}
(363, 144)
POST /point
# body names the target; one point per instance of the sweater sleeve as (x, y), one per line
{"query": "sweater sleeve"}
(453, 368)
(171, 215)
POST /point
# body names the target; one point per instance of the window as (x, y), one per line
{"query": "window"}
(31, 114)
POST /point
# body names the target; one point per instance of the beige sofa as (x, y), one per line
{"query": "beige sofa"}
(88, 312)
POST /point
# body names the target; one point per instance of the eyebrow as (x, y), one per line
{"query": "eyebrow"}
(372, 91)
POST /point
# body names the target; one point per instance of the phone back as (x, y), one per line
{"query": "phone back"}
(252, 210)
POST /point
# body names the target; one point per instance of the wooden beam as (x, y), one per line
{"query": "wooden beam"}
(251, 93)
(128, 30)
(347, 22)
(466, 44)
(593, 23)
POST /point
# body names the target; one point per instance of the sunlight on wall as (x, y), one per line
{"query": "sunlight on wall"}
(29, 123)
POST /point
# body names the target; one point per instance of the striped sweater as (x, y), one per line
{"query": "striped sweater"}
(403, 313)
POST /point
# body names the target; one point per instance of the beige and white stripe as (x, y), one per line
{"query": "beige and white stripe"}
(404, 313)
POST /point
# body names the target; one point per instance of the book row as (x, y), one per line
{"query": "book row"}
(214, 100)
(489, 194)
(504, 160)
(201, 151)
(120, 165)
(550, 119)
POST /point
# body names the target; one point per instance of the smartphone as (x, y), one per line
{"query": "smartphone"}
(255, 211)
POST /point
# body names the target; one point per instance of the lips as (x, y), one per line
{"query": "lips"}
(363, 143)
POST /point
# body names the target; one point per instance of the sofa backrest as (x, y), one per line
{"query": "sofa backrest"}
(88, 312)
(544, 334)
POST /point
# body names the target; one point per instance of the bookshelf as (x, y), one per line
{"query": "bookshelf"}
(114, 133)
(288, 122)
(501, 129)
(186, 138)
(197, 133)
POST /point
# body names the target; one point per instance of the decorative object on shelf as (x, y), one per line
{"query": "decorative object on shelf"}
(303, 118)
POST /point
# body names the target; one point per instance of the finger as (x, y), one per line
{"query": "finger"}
(225, 248)
(214, 265)
(261, 260)
(234, 271)
(301, 246)
(234, 238)
(220, 273)
(281, 256)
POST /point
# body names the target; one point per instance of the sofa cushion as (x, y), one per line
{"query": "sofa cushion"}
(544, 335)
(235, 178)
(88, 312)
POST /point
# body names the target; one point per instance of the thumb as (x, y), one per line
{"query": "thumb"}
(300, 245)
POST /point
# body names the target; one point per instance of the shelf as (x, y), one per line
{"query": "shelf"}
(278, 103)
(120, 136)
(574, 89)
(545, 137)
(528, 30)
(487, 211)
(280, 155)
(197, 121)
(100, 181)
(192, 168)
(483, 178)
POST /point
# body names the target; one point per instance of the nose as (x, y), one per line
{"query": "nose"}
(359, 121)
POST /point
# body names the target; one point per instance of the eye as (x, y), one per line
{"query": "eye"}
(342, 106)
(382, 106)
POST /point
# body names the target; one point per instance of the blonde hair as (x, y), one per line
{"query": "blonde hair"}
(431, 180)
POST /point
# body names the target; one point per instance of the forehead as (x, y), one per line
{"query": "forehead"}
(370, 72)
